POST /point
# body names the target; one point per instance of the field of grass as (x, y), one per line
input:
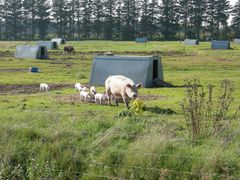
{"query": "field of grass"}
(55, 136)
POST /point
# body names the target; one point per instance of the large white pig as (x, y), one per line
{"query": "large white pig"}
(121, 87)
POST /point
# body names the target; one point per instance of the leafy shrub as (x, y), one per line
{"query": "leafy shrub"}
(136, 109)
(205, 114)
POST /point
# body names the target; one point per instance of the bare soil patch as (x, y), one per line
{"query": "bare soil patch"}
(85, 55)
(29, 89)
(72, 98)
(14, 70)
(6, 54)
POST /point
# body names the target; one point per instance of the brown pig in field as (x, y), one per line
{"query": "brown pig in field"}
(121, 87)
(69, 50)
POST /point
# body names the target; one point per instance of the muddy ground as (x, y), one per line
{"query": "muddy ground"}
(72, 98)
(29, 89)
(34, 88)
(14, 70)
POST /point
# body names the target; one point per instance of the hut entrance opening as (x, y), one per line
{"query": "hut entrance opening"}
(155, 69)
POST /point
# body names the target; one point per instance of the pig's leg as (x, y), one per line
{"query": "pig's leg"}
(126, 101)
(116, 100)
(108, 92)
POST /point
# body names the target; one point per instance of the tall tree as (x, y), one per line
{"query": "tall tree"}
(148, 18)
(12, 16)
(42, 17)
(153, 17)
(211, 14)
(97, 18)
(1, 18)
(78, 16)
(184, 15)
(144, 17)
(197, 16)
(222, 15)
(109, 15)
(32, 9)
(169, 18)
(218, 12)
(59, 15)
(87, 18)
(70, 17)
(130, 19)
(26, 18)
(119, 19)
(236, 19)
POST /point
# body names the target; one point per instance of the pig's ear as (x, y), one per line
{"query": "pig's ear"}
(129, 85)
(139, 85)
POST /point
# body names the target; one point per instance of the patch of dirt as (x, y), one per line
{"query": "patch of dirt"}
(151, 53)
(6, 54)
(14, 70)
(29, 89)
(72, 98)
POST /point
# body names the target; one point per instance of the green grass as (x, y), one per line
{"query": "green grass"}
(49, 136)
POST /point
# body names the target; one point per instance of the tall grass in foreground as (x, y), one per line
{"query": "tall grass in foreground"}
(49, 144)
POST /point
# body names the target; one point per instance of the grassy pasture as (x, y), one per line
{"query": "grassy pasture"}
(55, 136)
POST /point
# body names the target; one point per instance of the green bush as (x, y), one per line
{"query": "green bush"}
(205, 113)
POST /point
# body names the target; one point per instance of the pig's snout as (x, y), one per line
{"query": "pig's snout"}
(134, 96)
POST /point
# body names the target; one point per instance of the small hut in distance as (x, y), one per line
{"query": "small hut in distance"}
(141, 40)
(31, 52)
(49, 44)
(59, 40)
(236, 41)
(220, 44)
(191, 42)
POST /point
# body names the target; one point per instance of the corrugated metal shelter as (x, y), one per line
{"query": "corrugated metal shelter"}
(49, 44)
(220, 44)
(31, 52)
(191, 42)
(59, 40)
(141, 40)
(139, 68)
(237, 41)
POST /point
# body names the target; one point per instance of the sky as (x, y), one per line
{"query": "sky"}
(233, 2)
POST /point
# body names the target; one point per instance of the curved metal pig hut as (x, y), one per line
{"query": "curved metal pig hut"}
(59, 40)
(143, 69)
(220, 44)
(31, 52)
(49, 44)
(191, 42)
(141, 40)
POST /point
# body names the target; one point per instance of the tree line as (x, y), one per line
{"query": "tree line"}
(119, 19)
